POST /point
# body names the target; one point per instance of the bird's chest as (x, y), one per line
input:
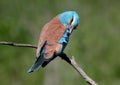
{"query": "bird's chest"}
(64, 41)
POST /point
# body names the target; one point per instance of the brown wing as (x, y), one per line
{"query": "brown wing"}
(51, 32)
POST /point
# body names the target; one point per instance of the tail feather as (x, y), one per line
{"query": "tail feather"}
(37, 64)
(39, 60)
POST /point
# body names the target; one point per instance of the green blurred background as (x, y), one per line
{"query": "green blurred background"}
(95, 44)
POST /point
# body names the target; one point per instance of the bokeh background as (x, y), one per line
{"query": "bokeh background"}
(95, 44)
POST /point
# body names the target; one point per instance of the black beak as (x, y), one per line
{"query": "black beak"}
(71, 29)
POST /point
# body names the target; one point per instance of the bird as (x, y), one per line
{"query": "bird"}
(54, 38)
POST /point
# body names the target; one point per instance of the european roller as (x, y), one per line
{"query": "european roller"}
(54, 37)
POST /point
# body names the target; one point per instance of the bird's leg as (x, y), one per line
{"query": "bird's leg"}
(64, 57)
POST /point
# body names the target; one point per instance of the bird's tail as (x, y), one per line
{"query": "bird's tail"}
(39, 60)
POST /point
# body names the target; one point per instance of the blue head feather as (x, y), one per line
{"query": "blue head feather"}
(68, 18)
(65, 18)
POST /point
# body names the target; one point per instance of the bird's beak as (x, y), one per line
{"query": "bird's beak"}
(71, 29)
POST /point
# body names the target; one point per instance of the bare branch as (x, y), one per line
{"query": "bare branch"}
(72, 61)
(18, 44)
(82, 73)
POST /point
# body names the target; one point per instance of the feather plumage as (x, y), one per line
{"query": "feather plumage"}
(54, 37)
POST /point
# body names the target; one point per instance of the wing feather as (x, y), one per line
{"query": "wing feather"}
(52, 32)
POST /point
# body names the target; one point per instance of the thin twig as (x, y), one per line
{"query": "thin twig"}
(72, 61)
(82, 73)
(18, 44)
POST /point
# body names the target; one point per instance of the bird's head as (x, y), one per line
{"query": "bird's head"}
(69, 19)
